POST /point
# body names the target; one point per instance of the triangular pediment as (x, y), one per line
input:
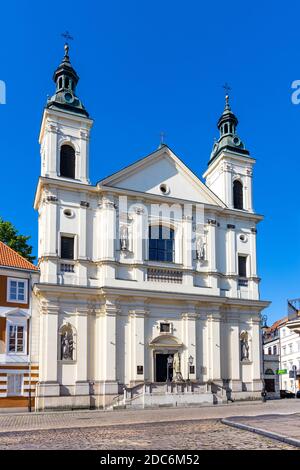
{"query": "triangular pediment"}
(163, 167)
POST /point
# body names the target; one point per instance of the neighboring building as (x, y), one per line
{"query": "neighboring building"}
(271, 358)
(18, 366)
(283, 338)
(290, 346)
(146, 276)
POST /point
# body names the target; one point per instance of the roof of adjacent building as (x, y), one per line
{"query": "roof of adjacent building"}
(277, 324)
(12, 259)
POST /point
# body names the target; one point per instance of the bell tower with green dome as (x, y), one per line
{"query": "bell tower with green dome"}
(230, 168)
(65, 129)
(66, 80)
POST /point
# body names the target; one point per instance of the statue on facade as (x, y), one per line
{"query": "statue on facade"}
(177, 376)
(124, 239)
(244, 346)
(67, 346)
(200, 249)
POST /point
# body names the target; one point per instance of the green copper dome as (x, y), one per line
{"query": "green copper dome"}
(228, 139)
(66, 80)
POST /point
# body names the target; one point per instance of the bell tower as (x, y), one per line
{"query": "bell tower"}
(65, 129)
(230, 168)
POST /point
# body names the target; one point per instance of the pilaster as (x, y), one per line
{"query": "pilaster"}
(138, 348)
(189, 319)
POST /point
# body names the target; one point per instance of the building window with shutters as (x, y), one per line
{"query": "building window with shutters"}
(17, 290)
(67, 161)
(67, 247)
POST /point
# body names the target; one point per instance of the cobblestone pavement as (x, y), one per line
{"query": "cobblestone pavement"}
(286, 425)
(192, 435)
(84, 419)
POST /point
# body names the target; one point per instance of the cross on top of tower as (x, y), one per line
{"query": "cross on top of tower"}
(227, 88)
(67, 37)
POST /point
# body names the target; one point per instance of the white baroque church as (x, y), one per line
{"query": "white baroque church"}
(148, 292)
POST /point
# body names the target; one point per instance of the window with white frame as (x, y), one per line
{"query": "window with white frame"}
(291, 348)
(14, 384)
(17, 290)
(283, 350)
(16, 339)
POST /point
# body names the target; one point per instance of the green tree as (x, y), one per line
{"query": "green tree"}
(10, 236)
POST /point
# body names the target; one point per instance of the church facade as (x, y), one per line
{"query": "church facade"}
(148, 287)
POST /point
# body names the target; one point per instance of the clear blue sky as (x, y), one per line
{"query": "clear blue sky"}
(160, 65)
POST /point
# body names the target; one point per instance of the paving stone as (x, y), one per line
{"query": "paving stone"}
(192, 435)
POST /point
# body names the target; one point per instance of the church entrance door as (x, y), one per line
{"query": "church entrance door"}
(163, 370)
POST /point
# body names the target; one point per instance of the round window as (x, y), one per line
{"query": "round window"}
(68, 213)
(243, 238)
(164, 189)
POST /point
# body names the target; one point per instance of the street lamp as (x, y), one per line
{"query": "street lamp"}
(190, 363)
(169, 362)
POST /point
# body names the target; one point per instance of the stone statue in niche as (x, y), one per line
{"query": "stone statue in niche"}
(200, 248)
(244, 346)
(67, 346)
(124, 238)
(177, 376)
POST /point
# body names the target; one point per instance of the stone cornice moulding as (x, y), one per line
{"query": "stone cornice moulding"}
(63, 290)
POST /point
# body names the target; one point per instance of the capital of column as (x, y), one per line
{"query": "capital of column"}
(49, 309)
(109, 308)
(189, 315)
(107, 203)
(138, 312)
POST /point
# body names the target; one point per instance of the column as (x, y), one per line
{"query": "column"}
(187, 248)
(82, 241)
(139, 231)
(214, 344)
(83, 157)
(137, 344)
(234, 352)
(231, 250)
(108, 235)
(212, 252)
(49, 385)
(255, 353)
(254, 281)
(227, 182)
(50, 167)
(189, 340)
(248, 189)
(106, 340)
(50, 236)
(82, 384)
(202, 356)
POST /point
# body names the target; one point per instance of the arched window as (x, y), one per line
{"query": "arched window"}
(161, 243)
(67, 161)
(237, 195)
(269, 372)
(226, 128)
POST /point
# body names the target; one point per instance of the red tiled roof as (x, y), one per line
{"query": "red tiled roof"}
(278, 323)
(12, 259)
